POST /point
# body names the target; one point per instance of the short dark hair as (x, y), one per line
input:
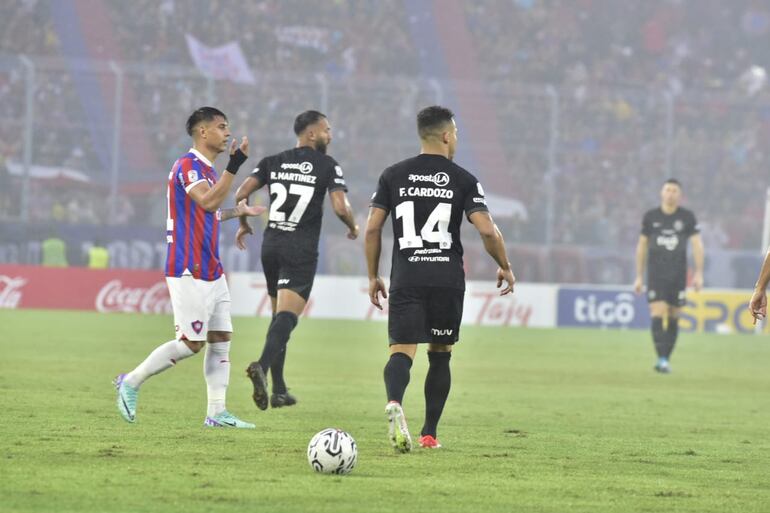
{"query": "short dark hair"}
(203, 114)
(431, 118)
(307, 118)
(673, 181)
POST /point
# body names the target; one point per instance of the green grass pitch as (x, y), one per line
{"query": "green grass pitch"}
(537, 420)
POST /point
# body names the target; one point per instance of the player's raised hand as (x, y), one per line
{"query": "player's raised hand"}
(638, 285)
(758, 305)
(507, 277)
(377, 287)
(244, 146)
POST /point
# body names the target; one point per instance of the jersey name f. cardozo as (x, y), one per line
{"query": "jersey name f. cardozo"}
(427, 197)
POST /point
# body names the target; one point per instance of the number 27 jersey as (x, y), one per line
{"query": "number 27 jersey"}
(427, 196)
(298, 180)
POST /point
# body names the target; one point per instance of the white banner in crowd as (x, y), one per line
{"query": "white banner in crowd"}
(304, 36)
(224, 62)
(335, 297)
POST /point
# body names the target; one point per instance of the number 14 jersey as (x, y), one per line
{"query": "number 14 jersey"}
(297, 180)
(427, 196)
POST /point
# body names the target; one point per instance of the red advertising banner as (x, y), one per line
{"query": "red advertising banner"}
(76, 288)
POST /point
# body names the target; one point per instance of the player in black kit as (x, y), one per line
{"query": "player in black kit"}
(428, 196)
(663, 241)
(298, 180)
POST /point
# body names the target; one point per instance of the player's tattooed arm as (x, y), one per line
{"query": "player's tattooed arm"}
(241, 210)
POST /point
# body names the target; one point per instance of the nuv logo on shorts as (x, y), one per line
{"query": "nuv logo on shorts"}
(197, 326)
(439, 333)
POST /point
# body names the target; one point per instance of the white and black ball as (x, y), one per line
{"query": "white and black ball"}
(332, 451)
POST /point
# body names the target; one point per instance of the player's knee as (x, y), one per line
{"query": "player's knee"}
(439, 348)
(218, 336)
(284, 322)
(194, 345)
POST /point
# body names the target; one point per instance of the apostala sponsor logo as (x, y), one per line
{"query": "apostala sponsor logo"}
(440, 179)
(302, 167)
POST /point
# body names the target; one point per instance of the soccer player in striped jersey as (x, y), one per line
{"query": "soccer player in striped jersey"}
(196, 283)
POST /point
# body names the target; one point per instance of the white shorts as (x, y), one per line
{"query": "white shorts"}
(199, 306)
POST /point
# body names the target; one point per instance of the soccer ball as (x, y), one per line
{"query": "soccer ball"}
(332, 451)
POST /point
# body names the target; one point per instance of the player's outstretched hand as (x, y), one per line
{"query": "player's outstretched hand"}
(758, 305)
(377, 287)
(638, 285)
(508, 278)
(353, 234)
(244, 209)
(244, 146)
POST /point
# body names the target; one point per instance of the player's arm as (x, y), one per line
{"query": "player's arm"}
(495, 246)
(373, 248)
(210, 198)
(344, 211)
(758, 303)
(242, 211)
(641, 262)
(243, 194)
(697, 256)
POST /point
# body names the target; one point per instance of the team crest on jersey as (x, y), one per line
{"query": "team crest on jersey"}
(197, 326)
(338, 170)
(678, 225)
(192, 175)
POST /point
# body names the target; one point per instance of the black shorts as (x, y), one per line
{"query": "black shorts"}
(287, 269)
(668, 290)
(425, 315)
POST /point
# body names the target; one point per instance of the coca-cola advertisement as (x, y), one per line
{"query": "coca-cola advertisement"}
(74, 288)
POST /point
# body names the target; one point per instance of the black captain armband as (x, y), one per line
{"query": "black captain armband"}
(236, 161)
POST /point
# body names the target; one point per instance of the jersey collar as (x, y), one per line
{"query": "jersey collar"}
(200, 157)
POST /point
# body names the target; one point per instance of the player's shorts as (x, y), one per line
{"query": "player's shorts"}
(287, 269)
(419, 315)
(670, 291)
(199, 306)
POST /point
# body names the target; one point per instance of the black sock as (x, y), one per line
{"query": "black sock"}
(277, 338)
(672, 332)
(657, 335)
(397, 376)
(276, 373)
(437, 384)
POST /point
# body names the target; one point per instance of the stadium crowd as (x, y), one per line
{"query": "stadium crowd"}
(640, 95)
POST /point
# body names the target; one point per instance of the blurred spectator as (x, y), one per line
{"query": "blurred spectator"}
(54, 251)
(98, 256)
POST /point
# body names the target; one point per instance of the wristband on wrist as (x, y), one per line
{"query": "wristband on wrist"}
(236, 160)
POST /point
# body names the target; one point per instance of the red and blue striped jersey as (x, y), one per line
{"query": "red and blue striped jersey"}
(192, 233)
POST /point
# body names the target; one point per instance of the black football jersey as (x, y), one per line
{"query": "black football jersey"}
(298, 180)
(667, 236)
(427, 196)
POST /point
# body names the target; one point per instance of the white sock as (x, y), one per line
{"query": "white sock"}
(216, 369)
(163, 357)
